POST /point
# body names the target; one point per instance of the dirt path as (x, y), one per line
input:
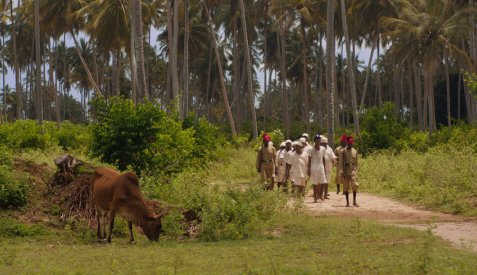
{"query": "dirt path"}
(461, 232)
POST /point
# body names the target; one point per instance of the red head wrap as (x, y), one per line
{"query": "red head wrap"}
(350, 140)
(266, 137)
(343, 138)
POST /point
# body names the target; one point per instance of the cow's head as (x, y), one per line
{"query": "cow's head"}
(152, 227)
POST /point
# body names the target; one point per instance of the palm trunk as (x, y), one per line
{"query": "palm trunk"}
(283, 73)
(186, 57)
(448, 92)
(330, 70)
(139, 49)
(39, 102)
(320, 87)
(174, 71)
(378, 75)
(85, 65)
(3, 72)
(305, 82)
(459, 90)
(352, 80)
(221, 72)
(132, 57)
(52, 85)
(417, 82)
(411, 96)
(368, 72)
(251, 96)
(265, 93)
(18, 85)
(236, 71)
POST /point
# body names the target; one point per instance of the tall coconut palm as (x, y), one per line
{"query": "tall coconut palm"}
(351, 72)
(38, 92)
(221, 72)
(428, 32)
(251, 97)
(330, 68)
(139, 50)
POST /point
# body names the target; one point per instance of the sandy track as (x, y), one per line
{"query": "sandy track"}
(460, 231)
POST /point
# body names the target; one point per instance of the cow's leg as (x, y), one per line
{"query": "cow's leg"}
(111, 225)
(131, 237)
(98, 233)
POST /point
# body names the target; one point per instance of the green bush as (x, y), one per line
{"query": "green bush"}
(380, 129)
(227, 212)
(13, 228)
(142, 137)
(207, 136)
(12, 190)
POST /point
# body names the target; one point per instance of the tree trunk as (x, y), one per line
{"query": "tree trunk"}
(305, 81)
(52, 85)
(418, 90)
(283, 75)
(265, 93)
(330, 69)
(186, 57)
(320, 87)
(368, 72)
(236, 71)
(351, 72)
(459, 90)
(174, 71)
(85, 66)
(132, 57)
(378, 74)
(251, 96)
(18, 85)
(446, 67)
(221, 72)
(139, 50)
(39, 102)
(411, 96)
(3, 72)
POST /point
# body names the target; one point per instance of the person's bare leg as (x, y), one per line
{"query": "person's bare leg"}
(354, 199)
(315, 193)
(327, 196)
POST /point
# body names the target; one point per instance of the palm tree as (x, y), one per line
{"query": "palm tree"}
(38, 92)
(221, 72)
(251, 97)
(330, 68)
(428, 32)
(139, 50)
(350, 66)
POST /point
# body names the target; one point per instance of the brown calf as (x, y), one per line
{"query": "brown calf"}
(115, 193)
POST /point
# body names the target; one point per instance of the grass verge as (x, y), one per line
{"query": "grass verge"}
(443, 178)
(291, 245)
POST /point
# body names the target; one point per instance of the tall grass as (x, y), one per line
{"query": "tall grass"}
(443, 178)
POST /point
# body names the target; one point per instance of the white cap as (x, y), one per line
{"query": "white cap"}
(298, 143)
(271, 143)
(324, 140)
(288, 141)
(283, 144)
(305, 135)
(303, 140)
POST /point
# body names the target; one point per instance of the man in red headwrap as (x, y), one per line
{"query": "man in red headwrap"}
(350, 170)
(339, 155)
(266, 162)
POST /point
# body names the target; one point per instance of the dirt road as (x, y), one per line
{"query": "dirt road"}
(461, 232)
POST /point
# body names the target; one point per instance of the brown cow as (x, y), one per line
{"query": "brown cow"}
(116, 193)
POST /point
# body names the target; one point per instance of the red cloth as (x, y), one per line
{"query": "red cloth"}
(266, 137)
(350, 140)
(343, 137)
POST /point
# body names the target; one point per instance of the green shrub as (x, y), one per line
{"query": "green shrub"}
(73, 137)
(207, 136)
(380, 129)
(140, 136)
(227, 212)
(13, 228)
(12, 190)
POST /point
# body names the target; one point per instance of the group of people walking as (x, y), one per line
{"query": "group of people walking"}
(303, 161)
